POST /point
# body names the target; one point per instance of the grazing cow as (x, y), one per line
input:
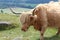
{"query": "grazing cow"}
(43, 16)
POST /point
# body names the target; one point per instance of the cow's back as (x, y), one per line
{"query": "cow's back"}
(53, 15)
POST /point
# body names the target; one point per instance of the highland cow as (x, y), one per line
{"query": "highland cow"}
(43, 16)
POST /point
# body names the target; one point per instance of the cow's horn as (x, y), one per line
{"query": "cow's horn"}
(14, 12)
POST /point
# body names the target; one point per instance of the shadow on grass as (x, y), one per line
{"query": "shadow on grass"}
(6, 27)
(55, 37)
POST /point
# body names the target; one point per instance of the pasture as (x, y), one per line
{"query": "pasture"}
(16, 33)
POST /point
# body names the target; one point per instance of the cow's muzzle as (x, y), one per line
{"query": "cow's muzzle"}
(25, 27)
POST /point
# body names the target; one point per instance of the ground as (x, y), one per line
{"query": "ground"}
(31, 34)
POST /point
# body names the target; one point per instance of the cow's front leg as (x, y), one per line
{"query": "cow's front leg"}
(58, 31)
(42, 33)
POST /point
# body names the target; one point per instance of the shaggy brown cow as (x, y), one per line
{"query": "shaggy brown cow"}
(43, 16)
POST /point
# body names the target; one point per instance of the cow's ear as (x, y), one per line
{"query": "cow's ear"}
(31, 18)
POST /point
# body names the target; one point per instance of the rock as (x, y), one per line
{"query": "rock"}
(5, 23)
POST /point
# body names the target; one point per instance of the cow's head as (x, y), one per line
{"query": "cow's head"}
(27, 20)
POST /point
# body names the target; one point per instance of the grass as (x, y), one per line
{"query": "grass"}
(31, 34)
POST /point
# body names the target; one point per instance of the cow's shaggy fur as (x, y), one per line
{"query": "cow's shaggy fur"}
(24, 17)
